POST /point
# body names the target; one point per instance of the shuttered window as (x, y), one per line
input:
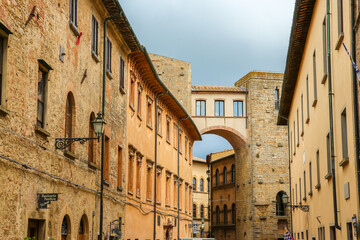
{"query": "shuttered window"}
(73, 12)
(94, 36)
(122, 75)
(108, 55)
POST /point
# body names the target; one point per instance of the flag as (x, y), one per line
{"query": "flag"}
(287, 234)
(353, 64)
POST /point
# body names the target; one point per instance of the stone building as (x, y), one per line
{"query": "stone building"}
(246, 115)
(319, 106)
(159, 149)
(201, 196)
(223, 175)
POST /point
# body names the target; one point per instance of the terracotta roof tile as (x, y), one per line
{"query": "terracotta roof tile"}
(204, 88)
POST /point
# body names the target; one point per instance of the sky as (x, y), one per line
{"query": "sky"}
(222, 39)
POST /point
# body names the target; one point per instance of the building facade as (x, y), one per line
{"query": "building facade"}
(318, 106)
(201, 196)
(223, 175)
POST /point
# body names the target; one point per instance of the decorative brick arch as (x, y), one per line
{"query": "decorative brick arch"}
(234, 137)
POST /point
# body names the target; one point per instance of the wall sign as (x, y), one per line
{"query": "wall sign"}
(46, 198)
(354, 222)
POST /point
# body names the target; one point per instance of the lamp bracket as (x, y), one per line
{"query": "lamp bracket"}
(304, 208)
(62, 143)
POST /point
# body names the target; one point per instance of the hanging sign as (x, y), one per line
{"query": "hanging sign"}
(46, 198)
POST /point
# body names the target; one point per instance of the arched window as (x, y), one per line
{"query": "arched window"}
(208, 185)
(280, 206)
(225, 175)
(225, 214)
(194, 184)
(83, 228)
(69, 117)
(202, 211)
(217, 215)
(201, 185)
(194, 210)
(233, 213)
(65, 228)
(217, 177)
(233, 173)
(91, 149)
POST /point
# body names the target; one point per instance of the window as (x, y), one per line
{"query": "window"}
(2, 56)
(314, 77)
(310, 179)
(180, 193)
(158, 185)
(139, 103)
(200, 108)
(201, 185)
(175, 191)
(233, 173)
(202, 211)
(175, 135)
(332, 233)
(307, 100)
(65, 228)
(36, 228)
(304, 186)
(217, 177)
(291, 146)
(217, 215)
(280, 206)
(298, 133)
(180, 141)
(344, 136)
(194, 211)
(131, 169)
(233, 213)
(91, 149)
(149, 167)
(238, 108)
(139, 157)
(296, 196)
(41, 96)
(168, 120)
(69, 117)
(328, 155)
(277, 102)
(186, 147)
(73, 12)
(132, 89)
(294, 139)
(300, 190)
(350, 235)
(108, 55)
(318, 169)
(94, 36)
(167, 199)
(208, 185)
(340, 18)
(324, 39)
(302, 115)
(120, 165)
(149, 111)
(225, 214)
(107, 159)
(122, 74)
(219, 108)
(225, 175)
(194, 184)
(159, 111)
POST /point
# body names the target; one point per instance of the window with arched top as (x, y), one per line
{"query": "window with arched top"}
(83, 233)
(217, 177)
(233, 213)
(91, 148)
(201, 185)
(194, 210)
(233, 173)
(65, 228)
(225, 175)
(202, 211)
(280, 206)
(194, 184)
(69, 117)
(225, 214)
(217, 215)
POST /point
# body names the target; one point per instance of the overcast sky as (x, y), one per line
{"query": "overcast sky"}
(222, 39)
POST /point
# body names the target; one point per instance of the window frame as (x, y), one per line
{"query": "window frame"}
(122, 75)
(217, 104)
(108, 56)
(95, 37)
(73, 12)
(237, 104)
(200, 108)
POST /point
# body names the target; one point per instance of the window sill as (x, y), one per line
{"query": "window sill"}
(132, 107)
(159, 134)
(70, 155)
(323, 80)
(74, 29)
(167, 205)
(302, 134)
(42, 132)
(120, 189)
(149, 126)
(92, 165)
(149, 200)
(310, 193)
(131, 193)
(122, 90)
(339, 41)
(168, 141)
(138, 196)
(95, 57)
(109, 75)
(139, 117)
(344, 161)
(304, 199)
(328, 176)
(3, 111)
(307, 120)
(314, 103)
(106, 182)
(318, 186)
(158, 203)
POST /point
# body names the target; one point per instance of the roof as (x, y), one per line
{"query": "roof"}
(202, 88)
(299, 30)
(260, 75)
(221, 155)
(197, 159)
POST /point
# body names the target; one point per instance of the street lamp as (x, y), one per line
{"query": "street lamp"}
(98, 124)
(285, 200)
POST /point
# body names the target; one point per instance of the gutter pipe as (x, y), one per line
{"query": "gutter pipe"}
(178, 172)
(355, 99)
(331, 115)
(103, 135)
(155, 159)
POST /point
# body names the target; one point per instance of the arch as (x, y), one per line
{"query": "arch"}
(280, 206)
(234, 137)
(70, 117)
(217, 177)
(225, 214)
(194, 184)
(201, 184)
(65, 231)
(83, 232)
(225, 175)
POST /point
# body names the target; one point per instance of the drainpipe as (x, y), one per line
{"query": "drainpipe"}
(355, 100)
(103, 135)
(178, 182)
(155, 160)
(331, 115)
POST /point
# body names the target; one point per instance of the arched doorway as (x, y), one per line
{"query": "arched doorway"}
(167, 235)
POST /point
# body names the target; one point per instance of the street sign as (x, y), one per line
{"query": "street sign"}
(354, 222)
(195, 226)
(46, 198)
